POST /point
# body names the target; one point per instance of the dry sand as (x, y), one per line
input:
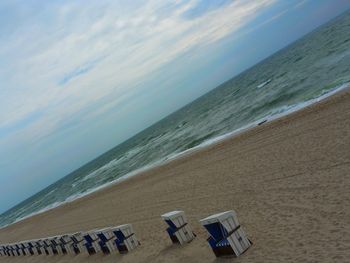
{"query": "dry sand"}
(289, 181)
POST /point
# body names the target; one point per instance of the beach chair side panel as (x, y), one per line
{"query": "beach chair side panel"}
(184, 233)
(131, 241)
(237, 239)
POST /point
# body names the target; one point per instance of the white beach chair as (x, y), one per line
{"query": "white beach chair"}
(107, 240)
(23, 248)
(7, 250)
(2, 251)
(57, 244)
(125, 238)
(66, 241)
(91, 242)
(44, 247)
(30, 249)
(37, 247)
(12, 250)
(179, 231)
(226, 235)
(78, 243)
(17, 249)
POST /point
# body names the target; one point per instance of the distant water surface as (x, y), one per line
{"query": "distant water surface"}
(291, 78)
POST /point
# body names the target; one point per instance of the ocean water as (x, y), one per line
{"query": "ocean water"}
(304, 72)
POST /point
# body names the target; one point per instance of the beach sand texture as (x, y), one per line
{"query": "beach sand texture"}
(288, 180)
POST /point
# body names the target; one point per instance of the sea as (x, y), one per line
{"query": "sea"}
(308, 70)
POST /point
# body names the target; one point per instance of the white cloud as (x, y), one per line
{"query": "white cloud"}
(124, 44)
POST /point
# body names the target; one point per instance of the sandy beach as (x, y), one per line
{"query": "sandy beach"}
(287, 179)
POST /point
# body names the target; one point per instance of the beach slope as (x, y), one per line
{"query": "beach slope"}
(288, 180)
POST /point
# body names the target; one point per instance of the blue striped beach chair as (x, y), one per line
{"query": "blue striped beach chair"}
(66, 242)
(50, 247)
(45, 247)
(30, 247)
(91, 242)
(12, 250)
(18, 250)
(2, 251)
(227, 237)
(57, 244)
(23, 248)
(178, 229)
(7, 250)
(78, 243)
(107, 240)
(38, 246)
(125, 238)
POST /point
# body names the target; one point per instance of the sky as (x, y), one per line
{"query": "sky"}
(79, 77)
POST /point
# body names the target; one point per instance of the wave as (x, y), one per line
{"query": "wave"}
(274, 114)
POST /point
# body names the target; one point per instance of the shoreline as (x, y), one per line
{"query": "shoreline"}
(206, 144)
(287, 180)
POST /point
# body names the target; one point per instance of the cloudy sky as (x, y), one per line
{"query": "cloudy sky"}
(79, 77)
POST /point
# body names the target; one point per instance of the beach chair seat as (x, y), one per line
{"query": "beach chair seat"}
(91, 242)
(107, 240)
(78, 243)
(178, 229)
(125, 238)
(227, 238)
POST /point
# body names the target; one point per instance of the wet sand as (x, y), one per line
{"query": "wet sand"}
(288, 180)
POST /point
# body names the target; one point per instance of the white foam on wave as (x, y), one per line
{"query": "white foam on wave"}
(275, 114)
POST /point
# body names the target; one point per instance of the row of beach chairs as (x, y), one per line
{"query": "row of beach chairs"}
(107, 240)
(227, 238)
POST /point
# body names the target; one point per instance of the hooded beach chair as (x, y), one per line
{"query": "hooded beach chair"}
(30, 247)
(25, 247)
(8, 250)
(11, 250)
(91, 242)
(22, 248)
(125, 238)
(18, 250)
(14, 250)
(78, 243)
(57, 244)
(107, 240)
(179, 231)
(2, 251)
(45, 246)
(38, 247)
(66, 242)
(227, 237)
(49, 247)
